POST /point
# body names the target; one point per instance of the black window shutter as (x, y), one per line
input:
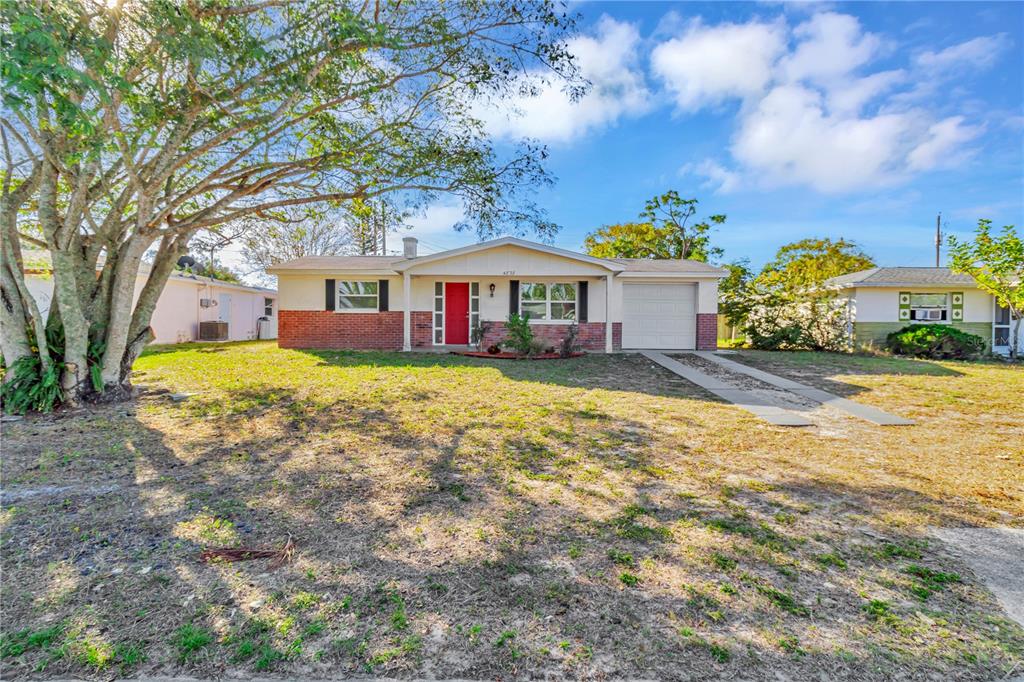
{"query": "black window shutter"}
(582, 299)
(382, 295)
(513, 297)
(330, 289)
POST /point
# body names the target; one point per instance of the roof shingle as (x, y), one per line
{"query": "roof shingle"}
(890, 277)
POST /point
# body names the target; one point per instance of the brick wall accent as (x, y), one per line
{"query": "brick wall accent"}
(326, 329)
(383, 331)
(591, 335)
(422, 333)
(707, 331)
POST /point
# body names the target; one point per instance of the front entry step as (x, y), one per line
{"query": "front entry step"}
(773, 414)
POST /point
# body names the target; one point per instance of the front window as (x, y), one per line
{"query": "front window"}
(268, 307)
(543, 301)
(928, 307)
(355, 295)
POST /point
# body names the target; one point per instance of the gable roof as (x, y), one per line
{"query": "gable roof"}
(893, 277)
(508, 241)
(399, 264)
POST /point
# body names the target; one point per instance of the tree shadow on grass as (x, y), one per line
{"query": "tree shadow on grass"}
(624, 372)
(513, 575)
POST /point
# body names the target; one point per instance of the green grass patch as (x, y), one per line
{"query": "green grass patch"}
(831, 559)
(782, 600)
(190, 639)
(628, 579)
(929, 581)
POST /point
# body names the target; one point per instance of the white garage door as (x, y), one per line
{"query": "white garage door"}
(659, 316)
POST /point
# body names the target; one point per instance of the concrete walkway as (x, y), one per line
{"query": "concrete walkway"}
(996, 555)
(773, 414)
(866, 412)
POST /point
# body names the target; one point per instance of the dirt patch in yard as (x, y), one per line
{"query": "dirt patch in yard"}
(461, 518)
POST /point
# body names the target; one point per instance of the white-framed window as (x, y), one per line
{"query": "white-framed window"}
(474, 307)
(554, 301)
(356, 295)
(438, 313)
(268, 307)
(930, 307)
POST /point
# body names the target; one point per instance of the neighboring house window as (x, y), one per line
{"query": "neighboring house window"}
(268, 307)
(548, 301)
(929, 307)
(1001, 327)
(355, 295)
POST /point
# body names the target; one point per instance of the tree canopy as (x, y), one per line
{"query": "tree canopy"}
(130, 125)
(665, 233)
(996, 262)
(809, 262)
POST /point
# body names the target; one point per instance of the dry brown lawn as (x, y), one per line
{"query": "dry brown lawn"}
(455, 517)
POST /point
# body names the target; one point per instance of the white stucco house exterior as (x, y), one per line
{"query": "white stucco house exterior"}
(882, 300)
(185, 301)
(435, 301)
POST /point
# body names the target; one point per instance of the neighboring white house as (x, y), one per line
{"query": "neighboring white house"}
(186, 301)
(883, 300)
(410, 301)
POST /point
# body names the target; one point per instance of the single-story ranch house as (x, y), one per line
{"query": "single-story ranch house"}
(423, 302)
(882, 300)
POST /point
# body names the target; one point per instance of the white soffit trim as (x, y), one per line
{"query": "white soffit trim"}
(671, 276)
(507, 241)
(351, 274)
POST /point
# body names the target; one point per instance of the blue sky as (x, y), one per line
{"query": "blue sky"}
(842, 120)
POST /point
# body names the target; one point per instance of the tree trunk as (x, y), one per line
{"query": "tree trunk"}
(139, 333)
(1014, 351)
(19, 313)
(74, 378)
(122, 293)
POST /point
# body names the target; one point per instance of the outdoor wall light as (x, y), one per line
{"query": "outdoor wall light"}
(491, 287)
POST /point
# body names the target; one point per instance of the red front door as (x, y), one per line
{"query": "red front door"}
(456, 312)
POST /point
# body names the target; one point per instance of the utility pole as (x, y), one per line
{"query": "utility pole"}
(938, 239)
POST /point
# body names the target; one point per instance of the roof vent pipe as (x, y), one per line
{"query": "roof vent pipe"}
(409, 246)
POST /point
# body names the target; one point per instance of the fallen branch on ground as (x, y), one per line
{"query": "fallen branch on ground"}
(280, 556)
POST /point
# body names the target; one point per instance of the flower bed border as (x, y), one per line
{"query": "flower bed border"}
(504, 355)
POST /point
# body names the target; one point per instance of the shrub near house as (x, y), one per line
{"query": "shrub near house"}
(936, 341)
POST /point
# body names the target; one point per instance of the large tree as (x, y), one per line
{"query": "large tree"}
(807, 263)
(789, 305)
(666, 232)
(134, 124)
(996, 262)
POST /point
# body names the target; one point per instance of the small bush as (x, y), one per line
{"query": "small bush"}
(935, 341)
(29, 387)
(520, 335)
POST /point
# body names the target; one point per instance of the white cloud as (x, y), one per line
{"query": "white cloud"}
(830, 46)
(977, 53)
(610, 61)
(812, 112)
(790, 139)
(709, 64)
(852, 95)
(943, 145)
(717, 176)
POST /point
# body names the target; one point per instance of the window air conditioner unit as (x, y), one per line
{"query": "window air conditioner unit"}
(207, 302)
(213, 331)
(930, 314)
